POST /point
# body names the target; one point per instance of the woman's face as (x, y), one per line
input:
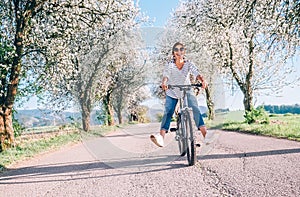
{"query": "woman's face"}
(178, 51)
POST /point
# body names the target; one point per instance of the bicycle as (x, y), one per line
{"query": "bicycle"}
(184, 128)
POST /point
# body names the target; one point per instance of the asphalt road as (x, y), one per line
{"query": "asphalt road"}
(126, 163)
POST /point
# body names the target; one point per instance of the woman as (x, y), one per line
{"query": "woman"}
(177, 72)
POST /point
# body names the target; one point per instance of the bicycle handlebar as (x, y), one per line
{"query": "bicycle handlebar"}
(185, 86)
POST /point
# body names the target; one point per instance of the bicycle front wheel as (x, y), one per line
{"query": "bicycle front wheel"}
(190, 139)
(180, 136)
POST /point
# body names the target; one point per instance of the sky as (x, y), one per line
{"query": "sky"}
(159, 10)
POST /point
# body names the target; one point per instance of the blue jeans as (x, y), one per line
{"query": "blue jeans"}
(170, 108)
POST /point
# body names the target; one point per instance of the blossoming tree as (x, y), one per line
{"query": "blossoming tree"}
(250, 40)
(38, 45)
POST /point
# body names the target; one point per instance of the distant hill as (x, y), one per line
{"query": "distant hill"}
(37, 117)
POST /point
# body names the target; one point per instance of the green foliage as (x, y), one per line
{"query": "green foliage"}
(18, 128)
(174, 118)
(159, 117)
(258, 115)
(282, 109)
(142, 114)
(102, 117)
(6, 54)
(75, 122)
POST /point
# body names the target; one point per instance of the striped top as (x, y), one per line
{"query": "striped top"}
(179, 77)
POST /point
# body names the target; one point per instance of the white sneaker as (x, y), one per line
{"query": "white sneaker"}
(157, 139)
(209, 138)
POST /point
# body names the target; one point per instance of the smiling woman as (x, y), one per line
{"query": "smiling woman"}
(177, 72)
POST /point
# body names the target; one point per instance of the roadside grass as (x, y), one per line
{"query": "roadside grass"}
(27, 147)
(285, 126)
(100, 131)
(41, 129)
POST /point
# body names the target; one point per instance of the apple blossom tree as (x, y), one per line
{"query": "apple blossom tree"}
(250, 40)
(124, 73)
(130, 81)
(38, 45)
(101, 52)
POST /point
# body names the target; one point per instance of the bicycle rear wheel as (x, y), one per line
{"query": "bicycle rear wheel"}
(190, 139)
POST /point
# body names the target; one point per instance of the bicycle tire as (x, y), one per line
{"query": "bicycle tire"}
(181, 137)
(190, 140)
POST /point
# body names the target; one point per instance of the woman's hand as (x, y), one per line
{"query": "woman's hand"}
(164, 86)
(204, 84)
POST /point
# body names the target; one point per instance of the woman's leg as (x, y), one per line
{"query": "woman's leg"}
(192, 102)
(168, 113)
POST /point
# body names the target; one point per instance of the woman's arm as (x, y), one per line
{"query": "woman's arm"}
(164, 83)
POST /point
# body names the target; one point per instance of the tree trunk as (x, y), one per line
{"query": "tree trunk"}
(210, 105)
(248, 99)
(7, 137)
(7, 102)
(118, 108)
(248, 93)
(120, 117)
(107, 101)
(86, 120)
(246, 87)
(110, 112)
(11, 87)
(85, 104)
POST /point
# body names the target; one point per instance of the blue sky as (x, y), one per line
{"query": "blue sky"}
(160, 10)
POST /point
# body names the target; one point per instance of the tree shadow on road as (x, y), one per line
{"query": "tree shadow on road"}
(250, 154)
(86, 170)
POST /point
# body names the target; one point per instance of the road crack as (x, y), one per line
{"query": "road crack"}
(212, 178)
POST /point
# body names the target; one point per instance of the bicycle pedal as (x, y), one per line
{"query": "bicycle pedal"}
(173, 129)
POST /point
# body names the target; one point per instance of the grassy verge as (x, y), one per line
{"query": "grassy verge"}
(281, 126)
(29, 147)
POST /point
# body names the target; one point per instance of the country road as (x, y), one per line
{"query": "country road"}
(126, 163)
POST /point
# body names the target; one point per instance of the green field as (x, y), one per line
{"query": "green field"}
(281, 125)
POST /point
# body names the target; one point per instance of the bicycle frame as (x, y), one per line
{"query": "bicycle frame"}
(184, 131)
